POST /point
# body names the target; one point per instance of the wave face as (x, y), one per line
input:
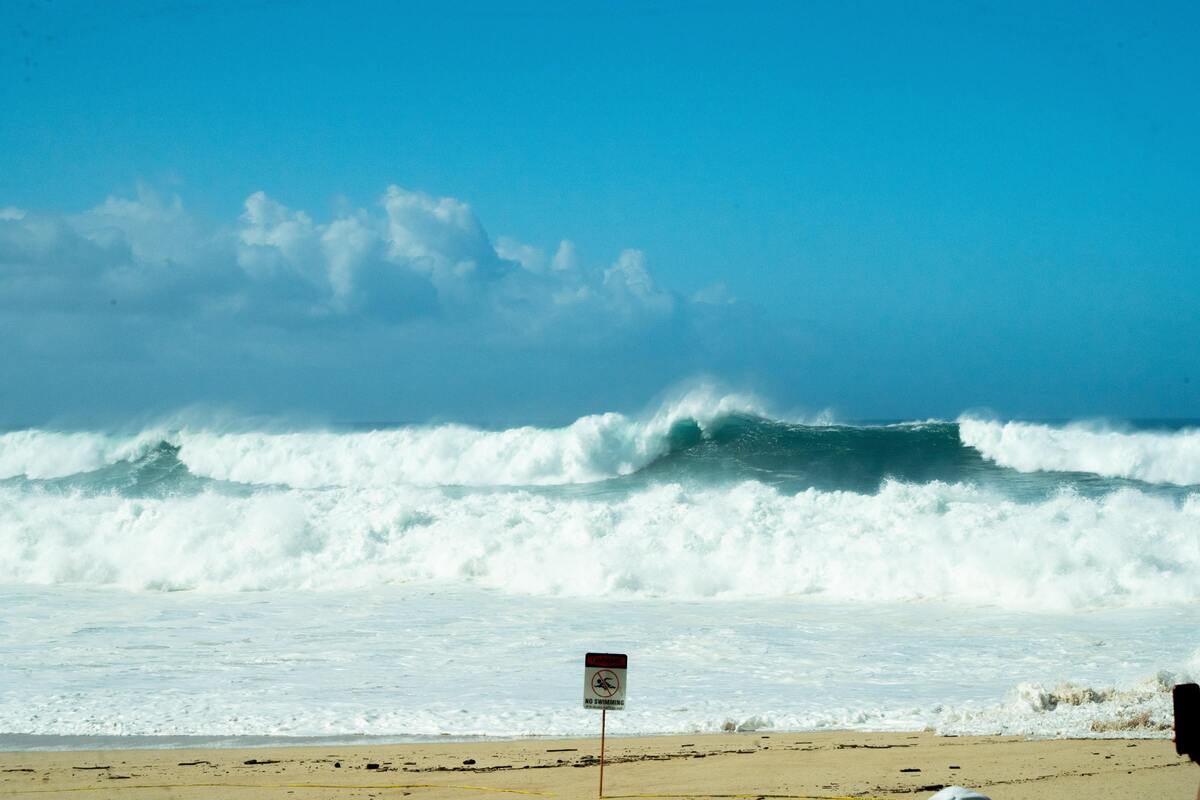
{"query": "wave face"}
(1150, 456)
(705, 497)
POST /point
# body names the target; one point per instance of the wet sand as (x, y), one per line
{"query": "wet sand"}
(756, 765)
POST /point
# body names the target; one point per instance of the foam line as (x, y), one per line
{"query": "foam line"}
(907, 542)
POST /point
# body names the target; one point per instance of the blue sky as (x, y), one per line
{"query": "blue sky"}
(360, 214)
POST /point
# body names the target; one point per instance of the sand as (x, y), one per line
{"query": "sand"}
(828, 764)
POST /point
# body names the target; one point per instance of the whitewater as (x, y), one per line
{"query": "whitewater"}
(185, 582)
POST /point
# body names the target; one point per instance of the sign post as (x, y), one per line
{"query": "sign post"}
(604, 689)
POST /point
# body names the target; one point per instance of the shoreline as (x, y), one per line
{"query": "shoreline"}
(13, 743)
(827, 764)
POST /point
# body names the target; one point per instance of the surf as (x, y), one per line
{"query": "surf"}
(906, 542)
(1171, 457)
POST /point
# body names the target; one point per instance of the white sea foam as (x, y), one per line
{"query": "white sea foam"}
(590, 449)
(428, 661)
(1140, 713)
(1155, 457)
(1141, 709)
(907, 542)
(52, 454)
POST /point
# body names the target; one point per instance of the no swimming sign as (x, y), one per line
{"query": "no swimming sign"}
(604, 681)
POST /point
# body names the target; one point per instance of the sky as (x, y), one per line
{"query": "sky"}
(524, 212)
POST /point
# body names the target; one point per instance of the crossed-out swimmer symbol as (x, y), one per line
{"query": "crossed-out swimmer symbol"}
(605, 683)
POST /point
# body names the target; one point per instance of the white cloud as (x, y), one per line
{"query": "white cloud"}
(438, 236)
(530, 257)
(628, 279)
(565, 257)
(402, 302)
(346, 244)
(46, 264)
(274, 240)
(411, 255)
(156, 228)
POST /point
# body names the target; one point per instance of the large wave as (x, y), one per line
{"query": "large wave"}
(906, 542)
(43, 454)
(592, 448)
(725, 435)
(1153, 457)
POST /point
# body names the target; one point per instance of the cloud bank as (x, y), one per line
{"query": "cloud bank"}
(138, 303)
(410, 255)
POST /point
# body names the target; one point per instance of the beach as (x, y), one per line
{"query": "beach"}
(796, 765)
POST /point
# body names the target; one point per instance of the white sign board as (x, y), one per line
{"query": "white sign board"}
(604, 681)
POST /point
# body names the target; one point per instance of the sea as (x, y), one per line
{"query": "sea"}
(263, 582)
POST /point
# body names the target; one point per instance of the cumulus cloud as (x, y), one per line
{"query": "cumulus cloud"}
(407, 256)
(139, 295)
(529, 257)
(629, 279)
(565, 257)
(274, 240)
(46, 263)
(155, 227)
(440, 237)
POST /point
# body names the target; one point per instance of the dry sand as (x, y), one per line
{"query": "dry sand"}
(755, 765)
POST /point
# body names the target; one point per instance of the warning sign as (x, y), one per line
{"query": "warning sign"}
(604, 681)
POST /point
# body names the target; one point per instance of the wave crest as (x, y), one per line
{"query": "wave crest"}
(40, 454)
(1153, 457)
(590, 449)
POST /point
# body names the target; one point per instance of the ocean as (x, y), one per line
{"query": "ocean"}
(240, 583)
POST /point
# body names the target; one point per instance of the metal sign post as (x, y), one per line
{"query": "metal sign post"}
(604, 689)
(603, 717)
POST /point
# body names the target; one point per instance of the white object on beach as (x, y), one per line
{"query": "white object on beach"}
(958, 793)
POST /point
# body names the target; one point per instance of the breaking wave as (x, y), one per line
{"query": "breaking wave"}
(936, 541)
(42, 454)
(1150, 456)
(701, 434)
(590, 449)
(707, 496)
(1139, 710)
